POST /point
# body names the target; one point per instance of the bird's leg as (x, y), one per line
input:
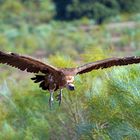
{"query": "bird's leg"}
(59, 96)
(51, 98)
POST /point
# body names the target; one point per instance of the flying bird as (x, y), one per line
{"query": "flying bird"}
(53, 78)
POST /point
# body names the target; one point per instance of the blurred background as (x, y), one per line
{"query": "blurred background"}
(105, 104)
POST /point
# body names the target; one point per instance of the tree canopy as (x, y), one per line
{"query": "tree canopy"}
(45, 10)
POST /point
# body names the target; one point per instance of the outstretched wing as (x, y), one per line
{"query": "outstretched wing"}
(107, 63)
(25, 63)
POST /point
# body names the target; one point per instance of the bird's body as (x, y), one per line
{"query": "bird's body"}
(53, 78)
(56, 80)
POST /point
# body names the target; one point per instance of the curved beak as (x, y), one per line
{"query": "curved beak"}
(70, 86)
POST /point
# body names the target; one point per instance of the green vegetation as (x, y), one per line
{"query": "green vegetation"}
(38, 11)
(105, 104)
(71, 38)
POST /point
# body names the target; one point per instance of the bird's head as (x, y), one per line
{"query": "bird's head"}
(70, 80)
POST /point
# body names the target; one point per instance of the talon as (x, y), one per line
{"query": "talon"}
(51, 99)
(50, 103)
(59, 97)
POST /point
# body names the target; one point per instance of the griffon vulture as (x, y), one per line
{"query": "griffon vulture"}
(53, 78)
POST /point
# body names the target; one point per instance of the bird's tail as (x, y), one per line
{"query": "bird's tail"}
(43, 82)
(40, 79)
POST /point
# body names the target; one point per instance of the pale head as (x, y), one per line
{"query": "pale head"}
(70, 80)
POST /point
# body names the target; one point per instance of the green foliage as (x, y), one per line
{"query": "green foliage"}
(72, 38)
(33, 12)
(99, 10)
(24, 28)
(58, 60)
(105, 105)
(130, 5)
(43, 11)
(113, 108)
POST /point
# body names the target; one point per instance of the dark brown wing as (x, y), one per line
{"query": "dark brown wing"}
(107, 63)
(25, 63)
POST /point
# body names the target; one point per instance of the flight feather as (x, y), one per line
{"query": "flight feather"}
(25, 63)
(106, 63)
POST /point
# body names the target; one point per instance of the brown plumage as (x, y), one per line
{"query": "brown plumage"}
(53, 78)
